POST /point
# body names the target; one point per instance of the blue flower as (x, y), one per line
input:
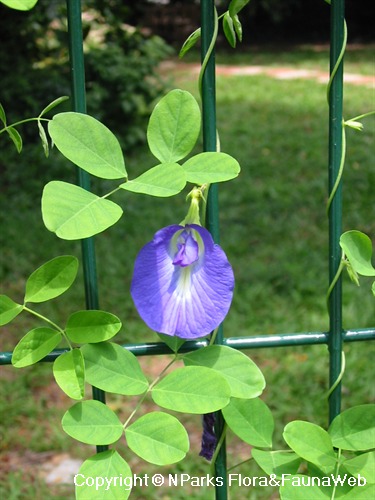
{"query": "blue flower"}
(182, 283)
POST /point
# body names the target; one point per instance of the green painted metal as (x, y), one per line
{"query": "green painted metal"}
(76, 57)
(78, 88)
(335, 210)
(208, 91)
(241, 343)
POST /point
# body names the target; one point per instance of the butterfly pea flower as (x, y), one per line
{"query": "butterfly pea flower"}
(182, 283)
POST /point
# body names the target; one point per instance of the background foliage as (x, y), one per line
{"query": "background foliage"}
(120, 73)
(264, 21)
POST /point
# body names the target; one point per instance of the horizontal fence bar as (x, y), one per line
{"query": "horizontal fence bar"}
(296, 339)
(240, 343)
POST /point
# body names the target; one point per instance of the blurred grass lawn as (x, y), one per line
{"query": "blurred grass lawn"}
(274, 231)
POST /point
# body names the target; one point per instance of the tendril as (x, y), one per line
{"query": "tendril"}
(209, 52)
(341, 167)
(339, 60)
(339, 378)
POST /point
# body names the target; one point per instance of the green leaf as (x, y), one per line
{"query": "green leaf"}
(3, 115)
(88, 143)
(354, 125)
(112, 368)
(251, 420)
(362, 464)
(16, 138)
(92, 326)
(193, 389)
(242, 374)
(366, 492)
(276, 462)
(312, 443)
(105, 488)
(294, 489)
(174, 126)
(353, 275)
(20, 4)
(92, 422)
(158, 438)
(34, 346)
(8, 309)
(74, 213)
(163, 180)
(373, 288)
(357, 247)
(206, 168)
(340, 480)
(237, 27)
(190, 42)
(236, 5)
(43, 138)
(69, 373)
(173, 342)
(51, 279)
(354, 429)
(53, 104)
(229, 31)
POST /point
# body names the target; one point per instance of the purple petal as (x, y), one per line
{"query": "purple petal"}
(188, 250)
(182, 282)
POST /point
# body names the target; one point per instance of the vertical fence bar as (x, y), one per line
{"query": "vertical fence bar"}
(77, 69)
(208, 20)
(335, 344)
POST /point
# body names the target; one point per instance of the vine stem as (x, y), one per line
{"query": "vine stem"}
(218, 447)
(339, 59)
(341, 168)
(343, 149)
(343, 156)
(47, 320)
(339, 378)
(111, 192)
(240, 463)
(365, 115)
(336, 473)
(21, 122)
(208, 53)
(337, 276)
(213, 336)
(200, 86)
(249, 460)
(151, 386)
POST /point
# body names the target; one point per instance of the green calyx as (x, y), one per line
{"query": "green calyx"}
(192, 216)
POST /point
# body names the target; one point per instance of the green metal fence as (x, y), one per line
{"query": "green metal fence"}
(336, 336)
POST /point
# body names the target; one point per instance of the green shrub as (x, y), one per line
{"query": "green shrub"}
(120, 64)
(122, 83)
